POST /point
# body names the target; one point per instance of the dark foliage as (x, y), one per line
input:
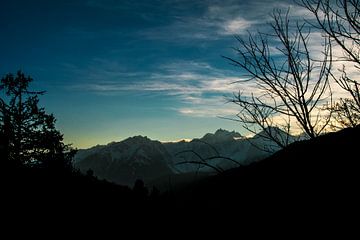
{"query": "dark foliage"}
(30, 137)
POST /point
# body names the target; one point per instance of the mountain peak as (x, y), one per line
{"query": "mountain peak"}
(221, 135)
(138, 140)
(273, 131)
(223, 132)
(140, 137)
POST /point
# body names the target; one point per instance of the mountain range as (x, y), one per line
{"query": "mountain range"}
(153, 161)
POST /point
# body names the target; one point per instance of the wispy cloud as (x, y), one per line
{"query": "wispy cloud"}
(177, 78)
(215, 106)
(221, 19)
(235, 26)
(199, 88)
(206, 28)
(216, 22)
(209, 111)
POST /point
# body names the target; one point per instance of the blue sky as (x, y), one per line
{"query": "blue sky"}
(114, 69)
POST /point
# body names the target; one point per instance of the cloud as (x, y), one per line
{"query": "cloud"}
(236, 26)
(214, 106)
(199, 20)
(177, 78)
(209, 111)
(198, 88)
(217, 21)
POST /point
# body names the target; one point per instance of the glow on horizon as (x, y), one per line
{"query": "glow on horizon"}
(88, 143)
(92, 139)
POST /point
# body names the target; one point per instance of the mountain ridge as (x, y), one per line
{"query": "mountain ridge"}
(141, 157)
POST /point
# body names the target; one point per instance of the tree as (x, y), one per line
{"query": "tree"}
(139, 189)
(30, 133)
(340, 21)
(291, 84)
(345, 113)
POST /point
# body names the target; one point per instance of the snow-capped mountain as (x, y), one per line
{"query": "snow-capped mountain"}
(124, 162)
(140, 157)
(222, 149)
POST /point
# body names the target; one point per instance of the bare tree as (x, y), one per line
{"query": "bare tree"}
(290, 84)
(256, 115)
(340, 21)
(206, 161)
(345, 113)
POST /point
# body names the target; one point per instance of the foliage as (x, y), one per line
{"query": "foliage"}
(31, 138)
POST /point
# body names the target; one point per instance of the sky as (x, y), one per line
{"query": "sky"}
(115, 69)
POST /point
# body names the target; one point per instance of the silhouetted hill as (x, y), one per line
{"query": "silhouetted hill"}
(316, 177)
(313, 175)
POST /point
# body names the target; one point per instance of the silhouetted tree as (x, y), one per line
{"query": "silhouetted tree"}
(340, 21)
(155, 193)
(206, 161)
(29, 133)
(90, 173)
(292, 86)
(345, 113)
(140, 191)
(3, 148)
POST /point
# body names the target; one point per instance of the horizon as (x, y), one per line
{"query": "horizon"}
(248, 136)
(170, 141)
(116, 69)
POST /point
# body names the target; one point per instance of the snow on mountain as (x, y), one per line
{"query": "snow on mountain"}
(124, 162)
(140, 157)
(221, 135)
(220, 144)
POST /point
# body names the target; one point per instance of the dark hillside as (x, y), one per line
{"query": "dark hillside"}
(316, 174)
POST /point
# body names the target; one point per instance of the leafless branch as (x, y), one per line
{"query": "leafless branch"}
(293, 85)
